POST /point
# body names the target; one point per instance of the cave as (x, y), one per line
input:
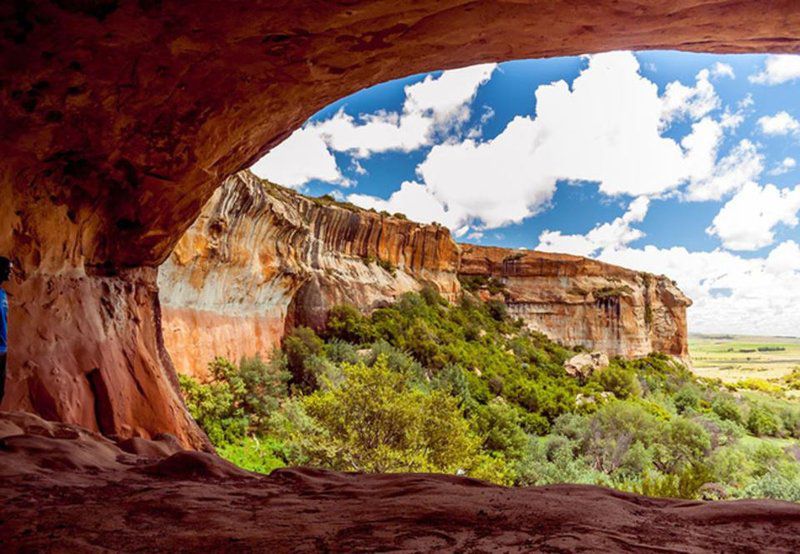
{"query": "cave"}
(122, 118)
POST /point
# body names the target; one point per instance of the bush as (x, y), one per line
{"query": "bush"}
(726, 408)
(619, 380)
(774, 485)
(212, 406)
(253, 454)
(498, 423)
(761, 422)
(687, 398)
(300, 345)
(375, 422)
(345, 322)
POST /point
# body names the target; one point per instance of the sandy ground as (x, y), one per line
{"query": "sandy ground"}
(64, 489)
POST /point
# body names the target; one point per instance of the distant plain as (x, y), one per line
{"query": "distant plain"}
(733, 358)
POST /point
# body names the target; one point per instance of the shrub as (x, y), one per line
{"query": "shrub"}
(300, 345)
(726, 408)
(213, 408)
(498, 423)
(774, 485)
(254, 454)
(347, 323)
(687, 483)
(761, 421)
(619, 380)
(687, 398)
(375, 422)
(761, 385)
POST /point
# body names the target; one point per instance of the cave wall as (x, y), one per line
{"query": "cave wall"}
(121, 118)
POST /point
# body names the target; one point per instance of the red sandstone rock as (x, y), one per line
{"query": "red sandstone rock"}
(121, 118)
(69, 490)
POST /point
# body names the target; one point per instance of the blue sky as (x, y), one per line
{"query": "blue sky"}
(669, 162)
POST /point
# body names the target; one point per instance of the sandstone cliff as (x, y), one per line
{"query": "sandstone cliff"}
(583, 302)
(261, 258)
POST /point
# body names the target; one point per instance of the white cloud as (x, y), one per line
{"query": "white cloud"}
(747, 101)
(614, 235)
(778, 69)
(680, 101)
(413, 200)
(300, 158)
(779, 124)
(605, 128)
(784, 257)
(431, 106)
(760, 295)
(720, 69)
(747, 221)
(785, 166)
(743, 164)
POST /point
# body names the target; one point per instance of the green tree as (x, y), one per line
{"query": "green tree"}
(347, 323)
(300, 345)
(374, 421)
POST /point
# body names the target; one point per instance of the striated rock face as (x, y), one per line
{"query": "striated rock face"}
(121, 118)
(583, 302)
(261, 257)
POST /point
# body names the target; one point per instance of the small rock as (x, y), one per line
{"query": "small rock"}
(582, 366)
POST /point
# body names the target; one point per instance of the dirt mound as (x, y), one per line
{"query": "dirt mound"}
(66, 489)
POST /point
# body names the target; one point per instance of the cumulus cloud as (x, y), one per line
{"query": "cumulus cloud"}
(720, 69)
(779, 68)
(605, 128)
(431, 106)
(681, 101)
(414, 200)
(742, 165)
(779, 124)
(762, 293)
(614, 235)
(785, 166)
(302, 157)
(748, 220)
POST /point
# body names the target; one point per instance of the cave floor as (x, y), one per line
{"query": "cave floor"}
(64, 489)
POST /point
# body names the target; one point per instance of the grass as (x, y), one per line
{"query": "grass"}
(733, 358)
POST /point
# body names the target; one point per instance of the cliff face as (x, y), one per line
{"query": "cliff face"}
(261, 258)
(583, 302)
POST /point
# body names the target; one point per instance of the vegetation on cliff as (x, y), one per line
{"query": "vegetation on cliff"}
(424, 385)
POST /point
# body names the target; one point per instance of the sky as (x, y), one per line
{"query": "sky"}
(673, 163)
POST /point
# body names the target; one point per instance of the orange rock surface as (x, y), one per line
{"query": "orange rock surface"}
(583, 302)
(121, 118)
(261, 258)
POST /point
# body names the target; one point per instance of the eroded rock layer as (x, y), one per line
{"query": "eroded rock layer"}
(261, 258)
(583, 302)
(55, 479)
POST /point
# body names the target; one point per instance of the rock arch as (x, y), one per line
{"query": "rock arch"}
(120, 118)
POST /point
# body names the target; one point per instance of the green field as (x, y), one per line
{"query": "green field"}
(733, 358)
